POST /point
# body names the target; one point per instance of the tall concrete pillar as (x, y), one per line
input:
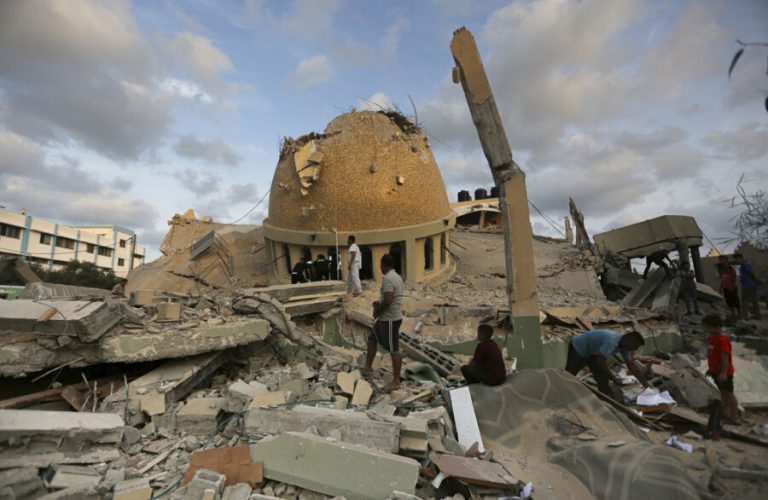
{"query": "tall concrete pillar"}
(696, 258)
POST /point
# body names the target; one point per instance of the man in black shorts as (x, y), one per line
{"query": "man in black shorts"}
(386, 329)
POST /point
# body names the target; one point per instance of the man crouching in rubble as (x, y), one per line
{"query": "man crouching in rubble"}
(487, 365)
(386, 329)
(593, 348)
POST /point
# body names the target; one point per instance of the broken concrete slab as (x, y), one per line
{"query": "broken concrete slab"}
(314, 463)
(42, 438)
(120, 346)
(199, 416)
(690, 387)
(71, 476)
(87, 320)
(234, 463)
(353, 427)
(158, 389)
(45, 291)
(132, 489)
(20, 483)
(299, 291)
(644, 289)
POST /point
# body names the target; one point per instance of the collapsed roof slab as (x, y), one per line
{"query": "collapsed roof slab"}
(653, 235)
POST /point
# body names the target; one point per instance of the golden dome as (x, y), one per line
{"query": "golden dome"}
(368, 170)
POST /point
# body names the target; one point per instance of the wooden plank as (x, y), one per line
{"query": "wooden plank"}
(56, 394)
(624, 409)
(50, 313)
(474, 471)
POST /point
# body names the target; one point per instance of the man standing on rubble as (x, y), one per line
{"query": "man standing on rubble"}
(389, 317)
(749, 284)
(355, 262)
(729, 286)
(657, 258)
(593, 348)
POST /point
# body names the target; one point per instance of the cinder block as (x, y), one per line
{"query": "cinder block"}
(169, 311)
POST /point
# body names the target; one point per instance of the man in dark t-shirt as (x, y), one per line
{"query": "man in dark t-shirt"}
(487, 365)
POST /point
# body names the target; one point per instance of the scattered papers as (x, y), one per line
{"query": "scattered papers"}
(676, 443)
(627, 379)
(652, 397)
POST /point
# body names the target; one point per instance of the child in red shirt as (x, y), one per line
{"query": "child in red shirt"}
(720, 365)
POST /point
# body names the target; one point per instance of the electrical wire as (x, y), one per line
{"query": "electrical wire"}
(252, 209)
(550, 221)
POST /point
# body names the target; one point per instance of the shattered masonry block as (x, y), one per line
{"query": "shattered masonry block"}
(239, 491)
(199, 415)
(336, 469)
(133, 489)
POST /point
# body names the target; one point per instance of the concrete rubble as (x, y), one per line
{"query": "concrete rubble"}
(208, 381)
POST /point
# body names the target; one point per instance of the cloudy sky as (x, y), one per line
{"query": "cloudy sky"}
(128, 112)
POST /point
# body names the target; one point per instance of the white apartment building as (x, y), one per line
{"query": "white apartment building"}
(53, 245)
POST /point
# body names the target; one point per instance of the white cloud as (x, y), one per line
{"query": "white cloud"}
(63, 191)
(376, 102)
(310, 72)
(201, 184)
(213, 151)
(185, 89)
(748, 143)
(202, 60)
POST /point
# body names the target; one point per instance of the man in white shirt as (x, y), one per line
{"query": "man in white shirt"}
(355, 262)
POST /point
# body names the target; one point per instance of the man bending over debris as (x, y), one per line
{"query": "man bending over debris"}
(593, 348)
(487, 365)
(386, 329)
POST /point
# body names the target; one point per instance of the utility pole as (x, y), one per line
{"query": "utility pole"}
(513, 200)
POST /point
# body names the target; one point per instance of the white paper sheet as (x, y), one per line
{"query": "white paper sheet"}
(652, 397)
(466, 421)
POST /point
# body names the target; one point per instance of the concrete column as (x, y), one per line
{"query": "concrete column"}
(25, 237)
(114, 247)
(77, 244)
(411, 266)
(54, 240)
(696, 258)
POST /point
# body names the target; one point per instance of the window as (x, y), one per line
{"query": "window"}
(10, 231)
(122, 243)
(429, 253)
(443, 249)
(105, 252)
(90, 248)
(45, 239)
(121, 262)
(65, 243)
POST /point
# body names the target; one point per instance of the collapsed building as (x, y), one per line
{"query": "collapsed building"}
(371, 175)
(213, 379)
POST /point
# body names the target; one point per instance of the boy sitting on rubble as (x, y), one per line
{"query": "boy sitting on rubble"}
(487, 364)
(720, 365)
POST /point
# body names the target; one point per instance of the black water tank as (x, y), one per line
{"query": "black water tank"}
(481, 194)
(495, 192)
(464, 196)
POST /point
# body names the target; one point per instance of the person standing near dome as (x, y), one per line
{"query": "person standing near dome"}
(355, 262)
